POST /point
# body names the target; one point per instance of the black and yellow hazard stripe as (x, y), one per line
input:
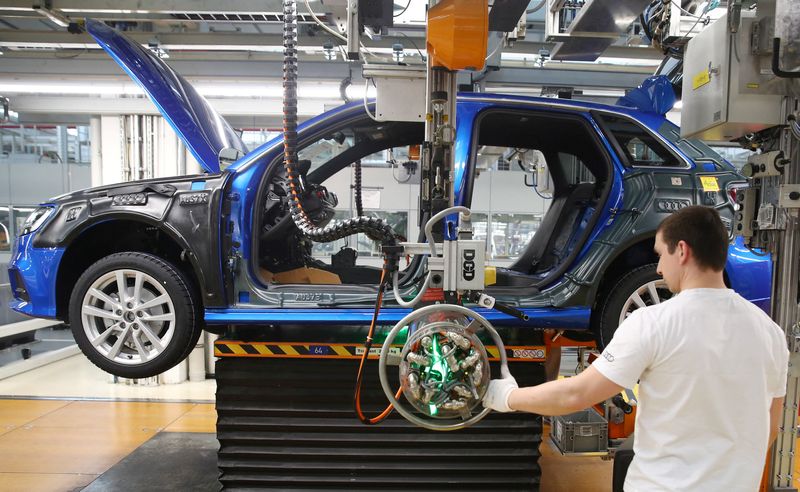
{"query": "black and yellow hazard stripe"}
(235, 348)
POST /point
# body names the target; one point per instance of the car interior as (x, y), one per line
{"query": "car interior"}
(579, 172)
(285, 256)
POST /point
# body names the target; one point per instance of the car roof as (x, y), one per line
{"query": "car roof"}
(652, 120)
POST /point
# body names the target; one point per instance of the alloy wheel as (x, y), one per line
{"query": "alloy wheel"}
(649, 294)
(128, 316)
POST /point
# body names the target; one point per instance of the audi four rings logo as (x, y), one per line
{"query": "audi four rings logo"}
(468, 269)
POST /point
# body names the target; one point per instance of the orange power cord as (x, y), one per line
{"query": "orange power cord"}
(367, 346)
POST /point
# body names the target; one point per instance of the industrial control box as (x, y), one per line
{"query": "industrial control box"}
(724, 84)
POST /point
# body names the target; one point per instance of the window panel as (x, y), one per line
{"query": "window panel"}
(639, 147)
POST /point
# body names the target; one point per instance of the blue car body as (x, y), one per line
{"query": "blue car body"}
(230, 296)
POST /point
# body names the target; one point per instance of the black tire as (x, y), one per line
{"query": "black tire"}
(159, 321)
(616, 300)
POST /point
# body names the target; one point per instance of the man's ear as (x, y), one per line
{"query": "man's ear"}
(684, 252)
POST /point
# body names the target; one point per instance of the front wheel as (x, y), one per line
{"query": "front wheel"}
(638, 288)
(134, 315)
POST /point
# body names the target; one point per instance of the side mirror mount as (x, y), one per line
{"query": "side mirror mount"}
(228, 156)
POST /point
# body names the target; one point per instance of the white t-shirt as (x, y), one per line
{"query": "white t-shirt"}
(709, 364)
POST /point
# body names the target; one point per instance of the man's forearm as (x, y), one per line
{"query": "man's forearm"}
(554, 398)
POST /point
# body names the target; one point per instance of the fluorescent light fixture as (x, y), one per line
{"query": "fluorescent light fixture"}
(268, 90)
(69, 88)
(109, 11)
(272, 90)
(635, 62)
(533, 90)
(356, 91)
(603, 60)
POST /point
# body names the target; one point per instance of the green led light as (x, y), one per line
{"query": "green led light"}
(437, 371)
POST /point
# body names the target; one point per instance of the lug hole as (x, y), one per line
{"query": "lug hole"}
(140, 314)
(122, 325)
(130, 305)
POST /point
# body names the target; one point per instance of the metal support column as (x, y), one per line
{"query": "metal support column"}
(96, 146)
(785, 313)
(785, 295)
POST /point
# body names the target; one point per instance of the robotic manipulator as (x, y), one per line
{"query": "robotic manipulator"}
(443, 366)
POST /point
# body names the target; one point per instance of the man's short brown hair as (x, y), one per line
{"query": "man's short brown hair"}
(702, 229)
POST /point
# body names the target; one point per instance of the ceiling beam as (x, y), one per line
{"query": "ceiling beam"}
(234, 41)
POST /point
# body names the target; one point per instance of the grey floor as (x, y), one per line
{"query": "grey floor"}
(168, 462)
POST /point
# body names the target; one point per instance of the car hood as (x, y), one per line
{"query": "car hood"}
(200, 127)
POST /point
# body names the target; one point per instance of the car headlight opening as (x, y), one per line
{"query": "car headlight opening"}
(36, 219)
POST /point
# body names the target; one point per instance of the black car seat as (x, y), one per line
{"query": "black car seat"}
(550, 243)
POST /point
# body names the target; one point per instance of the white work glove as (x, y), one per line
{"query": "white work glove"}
(499, 390)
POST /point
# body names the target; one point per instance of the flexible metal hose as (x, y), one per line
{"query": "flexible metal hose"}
(359, 205)
(372, 226)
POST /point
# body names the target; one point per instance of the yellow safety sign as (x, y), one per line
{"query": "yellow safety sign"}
(709, 183)
(701, 79)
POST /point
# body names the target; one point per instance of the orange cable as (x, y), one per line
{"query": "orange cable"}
(367, 345)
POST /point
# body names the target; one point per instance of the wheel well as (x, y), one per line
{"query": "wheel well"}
(635, 255)
(111, 237)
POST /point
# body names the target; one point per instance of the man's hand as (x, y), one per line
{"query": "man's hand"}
(496, 396)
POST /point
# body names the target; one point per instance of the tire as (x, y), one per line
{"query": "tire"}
(640, 287)
(152, 330)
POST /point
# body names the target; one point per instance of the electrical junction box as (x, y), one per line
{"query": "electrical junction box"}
(464, 260)
(723, 85)
(400, 92)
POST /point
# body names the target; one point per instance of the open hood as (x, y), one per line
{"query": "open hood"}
(200, 127)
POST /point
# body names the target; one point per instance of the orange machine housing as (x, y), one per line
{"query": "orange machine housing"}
(458, 31)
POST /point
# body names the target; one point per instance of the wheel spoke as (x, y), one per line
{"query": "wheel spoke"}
(100, 313)
(122, 287)
(159, 317)
(163, 298)
(637, 299)
(103, 297)
(104, 336)
(152, 337)
(651, 288)
(137, 288)
(114, 352)
(143, 354)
